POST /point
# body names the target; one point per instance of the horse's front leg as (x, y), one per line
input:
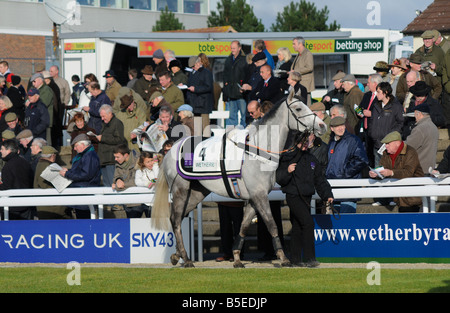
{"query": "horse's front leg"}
(249, 213)
(266, 214)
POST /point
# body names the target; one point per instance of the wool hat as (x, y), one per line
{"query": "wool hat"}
(49, 150)
(420, 89)
(32, 92)
(317, 106)
(147, 70)
(416, 58)
(259, 56)
(8, 134)
(15, 79)
(159, 54)
(381, 66)
(80, 137)
(185, 107)
(36, 76)
(337, 120)
(125, 101)
(26, 133)
(174, 63)
(338, 76)
(392, 136)
(349, 78)
(11, 116)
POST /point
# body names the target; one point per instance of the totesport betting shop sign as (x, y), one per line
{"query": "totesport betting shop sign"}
(222, 48)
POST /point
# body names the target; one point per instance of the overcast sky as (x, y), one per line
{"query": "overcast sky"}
(394, 14)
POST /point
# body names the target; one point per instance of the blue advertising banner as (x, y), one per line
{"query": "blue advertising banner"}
(61, 241)
(87, 241)
(391, 236)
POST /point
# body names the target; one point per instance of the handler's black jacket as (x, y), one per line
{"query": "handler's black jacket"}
(307, 177)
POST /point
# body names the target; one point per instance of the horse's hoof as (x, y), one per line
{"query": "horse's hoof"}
(238, 265)
(189, 264)
(286, 264)
(174, 259)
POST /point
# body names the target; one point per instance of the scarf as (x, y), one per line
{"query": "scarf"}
(394, 156)
(79, 155)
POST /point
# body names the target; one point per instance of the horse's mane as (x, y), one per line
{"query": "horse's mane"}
(269, 115)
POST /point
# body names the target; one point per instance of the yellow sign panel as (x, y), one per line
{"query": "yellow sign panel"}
(79, 47)
(313, 45)
(185, 48)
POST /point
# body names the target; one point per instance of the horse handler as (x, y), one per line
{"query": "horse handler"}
(299, 175)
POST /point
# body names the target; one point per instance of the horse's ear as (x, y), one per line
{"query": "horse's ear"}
(291, 95)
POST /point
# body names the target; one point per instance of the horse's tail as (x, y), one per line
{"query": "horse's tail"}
(161, 205)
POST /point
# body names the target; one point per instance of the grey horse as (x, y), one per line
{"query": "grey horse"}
(257, 178)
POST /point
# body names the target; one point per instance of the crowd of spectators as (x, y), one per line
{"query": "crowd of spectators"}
(410, 96)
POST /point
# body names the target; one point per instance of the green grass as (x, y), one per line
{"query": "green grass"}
(178, 280)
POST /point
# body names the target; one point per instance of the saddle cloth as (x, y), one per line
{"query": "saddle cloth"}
(201, 159)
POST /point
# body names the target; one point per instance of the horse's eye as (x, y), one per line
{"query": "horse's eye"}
(298, 109)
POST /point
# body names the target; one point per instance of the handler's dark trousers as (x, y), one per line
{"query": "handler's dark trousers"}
(302, 233)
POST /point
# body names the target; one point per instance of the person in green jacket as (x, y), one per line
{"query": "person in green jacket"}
(111, 135)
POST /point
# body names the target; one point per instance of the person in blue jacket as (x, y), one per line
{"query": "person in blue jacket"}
(85, 170)
(347, 158)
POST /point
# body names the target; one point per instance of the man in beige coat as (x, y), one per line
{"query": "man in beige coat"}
(424, 137)
(304, 64)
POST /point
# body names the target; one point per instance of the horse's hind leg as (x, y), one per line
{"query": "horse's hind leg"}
(184, 202)
(249, 213)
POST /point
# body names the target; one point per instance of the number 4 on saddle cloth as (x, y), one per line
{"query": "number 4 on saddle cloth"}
(212, 158)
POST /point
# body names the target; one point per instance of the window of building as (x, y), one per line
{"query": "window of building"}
(140, 4)
(119, 4)
(196, 6)
(326, 66)
(172, 5)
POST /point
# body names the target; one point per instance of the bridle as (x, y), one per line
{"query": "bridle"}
(304, 136)
(298, 118)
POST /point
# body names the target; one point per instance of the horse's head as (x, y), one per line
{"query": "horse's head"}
(301, 118)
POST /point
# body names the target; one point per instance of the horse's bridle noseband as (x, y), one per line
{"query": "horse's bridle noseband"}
(297, 118)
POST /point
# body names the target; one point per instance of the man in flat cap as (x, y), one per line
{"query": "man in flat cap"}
(408, 79)
(400, 160)
(12, 121)
(37, 118)
(336, 95)
(353, 95)
(432, 53)
(85, 170)
(318, 108)
(47, 97)
(347, 159)
(424, 137)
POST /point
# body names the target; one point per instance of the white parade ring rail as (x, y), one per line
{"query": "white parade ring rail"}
(426, 187)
